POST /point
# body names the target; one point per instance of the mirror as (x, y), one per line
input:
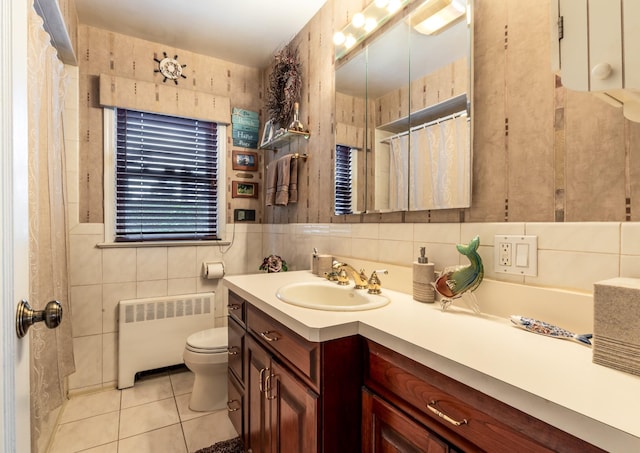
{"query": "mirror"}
(403, 110)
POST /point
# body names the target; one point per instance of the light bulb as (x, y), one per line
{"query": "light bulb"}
(394, 5)
(381, 3)
(358, 20)
(339, 38)
(350, 42)
(370, 24)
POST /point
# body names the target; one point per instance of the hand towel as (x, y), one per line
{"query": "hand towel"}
(271, 184)
(284, 176)
(293, 181)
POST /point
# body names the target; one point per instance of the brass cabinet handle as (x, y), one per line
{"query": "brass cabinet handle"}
(233, 350)
(261, 383)
(266, 336)
(432, 407)
(267, 385)
(233, 307)
(230, 409)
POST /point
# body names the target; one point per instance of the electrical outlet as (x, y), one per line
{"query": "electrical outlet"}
(505, 254)
(515, 254)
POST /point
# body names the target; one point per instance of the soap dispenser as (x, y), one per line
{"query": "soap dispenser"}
(423, 277)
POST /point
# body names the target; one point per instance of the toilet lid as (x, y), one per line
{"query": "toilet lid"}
(208, 340)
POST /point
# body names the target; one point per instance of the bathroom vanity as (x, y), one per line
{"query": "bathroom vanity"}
(311, 380)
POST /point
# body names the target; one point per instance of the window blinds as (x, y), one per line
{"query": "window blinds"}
(343, 194)
(166, 177)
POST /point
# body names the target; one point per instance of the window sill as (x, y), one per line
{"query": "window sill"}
(114, 245)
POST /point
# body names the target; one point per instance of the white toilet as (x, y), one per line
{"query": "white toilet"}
(206, 355)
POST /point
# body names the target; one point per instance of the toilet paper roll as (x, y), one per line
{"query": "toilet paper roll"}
(212, 270)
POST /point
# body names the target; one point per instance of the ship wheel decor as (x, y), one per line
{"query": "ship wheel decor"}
(285, 84)
(170, 68)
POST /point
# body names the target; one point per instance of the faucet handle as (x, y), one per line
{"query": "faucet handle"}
(374, 282)
(343, 278)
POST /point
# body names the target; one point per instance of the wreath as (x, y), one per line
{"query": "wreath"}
(285, 84)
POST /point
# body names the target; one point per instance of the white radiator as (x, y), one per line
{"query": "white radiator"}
(153, 331)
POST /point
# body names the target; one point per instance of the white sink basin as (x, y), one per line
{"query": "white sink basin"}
(330, 296)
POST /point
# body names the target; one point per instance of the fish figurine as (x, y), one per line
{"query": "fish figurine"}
(453, 284)
(543, 328)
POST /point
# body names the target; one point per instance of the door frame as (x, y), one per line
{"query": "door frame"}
(14, 225)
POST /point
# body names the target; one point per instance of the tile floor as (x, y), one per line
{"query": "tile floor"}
(153, 416)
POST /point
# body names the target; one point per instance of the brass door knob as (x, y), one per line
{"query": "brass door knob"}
(26, 316)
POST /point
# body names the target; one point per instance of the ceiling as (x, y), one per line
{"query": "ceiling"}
(246, 32)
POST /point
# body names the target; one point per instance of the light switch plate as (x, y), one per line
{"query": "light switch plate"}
(515, 254)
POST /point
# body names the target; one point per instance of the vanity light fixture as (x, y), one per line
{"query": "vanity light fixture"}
(433, 16)
(364, 22)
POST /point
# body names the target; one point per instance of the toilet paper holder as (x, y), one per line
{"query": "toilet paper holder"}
(212, 270)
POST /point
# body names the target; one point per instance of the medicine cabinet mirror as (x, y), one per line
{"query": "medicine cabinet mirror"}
(403, 117)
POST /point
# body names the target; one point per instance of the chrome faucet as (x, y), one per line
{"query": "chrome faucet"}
(359, 278)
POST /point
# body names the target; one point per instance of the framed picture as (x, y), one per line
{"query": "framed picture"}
(242, 189)
(245, 160)
(267, 133)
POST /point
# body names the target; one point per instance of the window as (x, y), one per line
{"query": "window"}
(344, 180)
(166, 177)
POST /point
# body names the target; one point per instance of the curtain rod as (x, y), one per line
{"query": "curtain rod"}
(423, 125)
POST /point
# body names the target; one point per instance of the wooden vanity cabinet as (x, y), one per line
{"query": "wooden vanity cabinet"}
(236, 329)
(403, 398)
(299, 396)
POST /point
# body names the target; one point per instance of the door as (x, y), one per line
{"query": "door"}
(14, 226)
(258, 434)
(294, 413)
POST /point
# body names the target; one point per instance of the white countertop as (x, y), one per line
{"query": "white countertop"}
(551, 379)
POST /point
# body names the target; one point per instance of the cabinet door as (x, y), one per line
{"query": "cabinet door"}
(258, 432)
(294, 413)
(386, 429)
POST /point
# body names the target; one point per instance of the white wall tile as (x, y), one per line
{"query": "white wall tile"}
(365, 230)
(487, 231)
(88, 357)
(152, 288)
(630, 266)
(109, 357)
(151, 263)
(85, 259)
(86, 310)
(396, 231)
(182, 262)
(177, 286)
(112, 294)
(396, 252)
(630, 238)
(340, 229)
(574, 270)
(603, 237)
(365, 249)
(119, 265)
(447, 233)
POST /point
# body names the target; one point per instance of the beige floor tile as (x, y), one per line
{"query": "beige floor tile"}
(84, 406)
(87, 433)
(183, 408)
(207, 430)
(147, 417)
(182, 382)
(147, 390)
(107, 448)
(164, 440)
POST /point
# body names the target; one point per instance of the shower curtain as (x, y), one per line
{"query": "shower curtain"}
(440, 165)
(51, 349)
(399, 172)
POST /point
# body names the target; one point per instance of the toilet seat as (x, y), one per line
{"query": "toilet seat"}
(209, 341)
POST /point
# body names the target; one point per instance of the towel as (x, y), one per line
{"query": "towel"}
(271, 183)
(284, 177)
(293, 181)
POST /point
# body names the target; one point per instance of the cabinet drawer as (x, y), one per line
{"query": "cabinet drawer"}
(236, 348)
(235, 404)
(285, 344)
(236, 307)
(458, 413)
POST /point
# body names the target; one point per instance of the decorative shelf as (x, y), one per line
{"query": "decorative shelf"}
(444, 108)
(284, 139)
